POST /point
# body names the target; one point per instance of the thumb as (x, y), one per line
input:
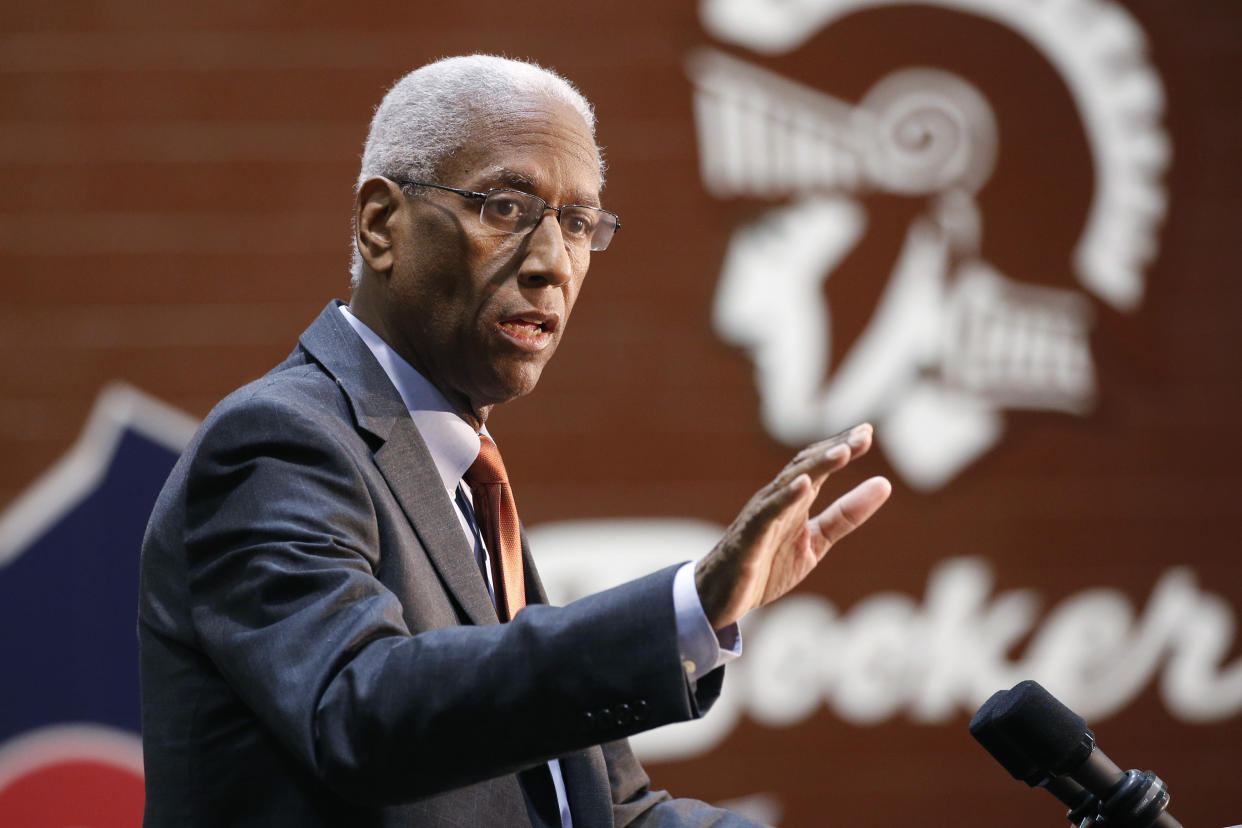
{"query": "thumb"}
(851, 510)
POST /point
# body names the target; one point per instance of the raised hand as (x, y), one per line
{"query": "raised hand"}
(775, 542)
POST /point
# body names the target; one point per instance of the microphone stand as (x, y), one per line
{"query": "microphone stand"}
(1138, 800)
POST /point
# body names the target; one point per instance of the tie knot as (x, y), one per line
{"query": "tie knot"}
(487, 467)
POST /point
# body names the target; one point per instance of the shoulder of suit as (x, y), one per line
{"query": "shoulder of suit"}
(295, 395)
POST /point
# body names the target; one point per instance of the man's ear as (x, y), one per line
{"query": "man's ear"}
(374, 208)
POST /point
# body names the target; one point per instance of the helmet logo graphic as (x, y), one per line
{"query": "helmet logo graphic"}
(952, 340)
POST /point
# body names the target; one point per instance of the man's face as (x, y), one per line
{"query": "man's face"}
(479, 311)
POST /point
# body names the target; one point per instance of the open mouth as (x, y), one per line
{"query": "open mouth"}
(524, 329)
(530, 332)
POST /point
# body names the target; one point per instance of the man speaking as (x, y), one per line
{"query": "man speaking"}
(340, 623)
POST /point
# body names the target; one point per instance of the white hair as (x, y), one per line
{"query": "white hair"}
(429, 114)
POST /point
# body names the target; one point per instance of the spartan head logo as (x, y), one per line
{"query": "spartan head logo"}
(952, 339)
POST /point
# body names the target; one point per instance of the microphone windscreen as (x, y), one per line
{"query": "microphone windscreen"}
(1049, 734)
(1010, 756)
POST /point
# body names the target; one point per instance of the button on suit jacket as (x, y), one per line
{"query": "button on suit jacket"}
(318, 647)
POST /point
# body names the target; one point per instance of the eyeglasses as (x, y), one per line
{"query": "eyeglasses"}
(513, 211)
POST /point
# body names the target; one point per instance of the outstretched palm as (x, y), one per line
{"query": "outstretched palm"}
(775, 542)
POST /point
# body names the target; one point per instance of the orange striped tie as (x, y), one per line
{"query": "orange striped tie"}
(496, 514)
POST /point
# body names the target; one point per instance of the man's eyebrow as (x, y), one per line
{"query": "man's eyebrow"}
(529, 183)
(513, 178)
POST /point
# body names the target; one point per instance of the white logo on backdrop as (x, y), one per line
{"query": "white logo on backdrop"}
(952, 342)
(931, 660)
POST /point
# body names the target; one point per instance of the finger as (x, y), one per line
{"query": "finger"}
(816, 461)
(785, 514)
(860, 439)
(844, 436)
(798, 493)
(850, 510)
(855, 437)
(857, 440)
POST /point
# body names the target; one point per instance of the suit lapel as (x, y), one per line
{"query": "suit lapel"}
(535, 593)
(411, 474)
(402, 457)
(406, 464)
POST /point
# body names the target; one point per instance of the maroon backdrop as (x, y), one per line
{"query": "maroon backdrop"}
(178, 182)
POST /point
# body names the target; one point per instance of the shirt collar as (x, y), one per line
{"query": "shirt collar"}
(453, 443)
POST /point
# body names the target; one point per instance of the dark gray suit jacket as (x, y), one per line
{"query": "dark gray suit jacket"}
(318, 647)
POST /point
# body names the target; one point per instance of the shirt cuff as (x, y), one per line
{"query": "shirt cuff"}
(702, 648)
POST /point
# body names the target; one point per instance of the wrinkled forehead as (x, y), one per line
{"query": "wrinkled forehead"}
(530, 142)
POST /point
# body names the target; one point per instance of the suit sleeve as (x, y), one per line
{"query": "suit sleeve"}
(282, 553)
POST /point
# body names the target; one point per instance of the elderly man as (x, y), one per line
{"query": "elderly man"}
(326, 570)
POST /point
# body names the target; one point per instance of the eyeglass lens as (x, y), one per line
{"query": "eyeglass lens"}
(517, 212)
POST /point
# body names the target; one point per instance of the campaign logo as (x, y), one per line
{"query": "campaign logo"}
(70, 754)
(954, 338)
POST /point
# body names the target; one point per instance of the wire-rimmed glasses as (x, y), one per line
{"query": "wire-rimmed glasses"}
(513, 211)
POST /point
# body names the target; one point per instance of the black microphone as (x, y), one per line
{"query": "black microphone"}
(1022, 767)
(1042, 742)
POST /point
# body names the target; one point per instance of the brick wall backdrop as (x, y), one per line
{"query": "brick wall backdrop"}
(175, 209)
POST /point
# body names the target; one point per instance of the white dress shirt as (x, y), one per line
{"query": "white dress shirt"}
(454, 445)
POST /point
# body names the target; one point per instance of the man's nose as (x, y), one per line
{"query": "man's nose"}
(547, 260)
